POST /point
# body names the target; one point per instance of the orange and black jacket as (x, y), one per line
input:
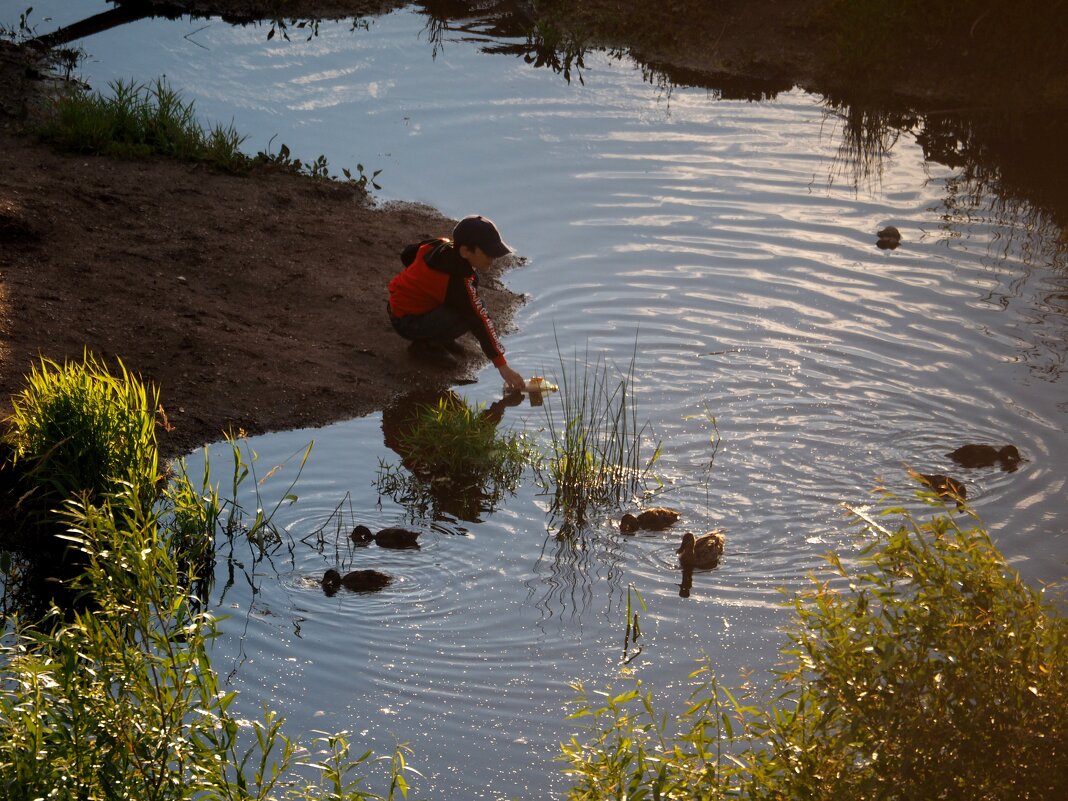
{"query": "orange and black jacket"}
(435, 274)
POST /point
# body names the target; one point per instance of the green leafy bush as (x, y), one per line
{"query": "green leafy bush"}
(939, 674)
(929, 670)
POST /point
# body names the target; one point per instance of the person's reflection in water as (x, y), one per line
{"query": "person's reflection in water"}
(461, 497)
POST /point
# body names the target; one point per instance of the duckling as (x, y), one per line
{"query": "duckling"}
(657, 518)
(331, 581)
(889, 238)
(654, 519)
(947, 488)
(355, 581)
(703, 551)
(1008, 456)
(361, 535)
(397, 538)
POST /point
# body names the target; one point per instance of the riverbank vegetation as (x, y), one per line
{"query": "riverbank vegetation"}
(139, 120)
(112, 694)
(923, 668)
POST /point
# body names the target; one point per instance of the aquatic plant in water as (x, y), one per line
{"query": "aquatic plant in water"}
(596, 457)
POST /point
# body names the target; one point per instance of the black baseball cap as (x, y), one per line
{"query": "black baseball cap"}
(478, 231)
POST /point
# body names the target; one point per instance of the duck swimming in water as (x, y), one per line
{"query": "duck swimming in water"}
(703, 551)
(361, 535)
(1008, 456)
(656, 518)
(397, 538)
(947, 488)
(355, 581)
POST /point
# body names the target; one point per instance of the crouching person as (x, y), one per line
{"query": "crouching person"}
(435, 300)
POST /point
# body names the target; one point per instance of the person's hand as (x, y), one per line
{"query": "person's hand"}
(513, 382)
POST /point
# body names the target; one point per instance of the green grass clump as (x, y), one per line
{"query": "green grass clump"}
(451, 436)
(929, 670)
(139, 120)
(77, 431)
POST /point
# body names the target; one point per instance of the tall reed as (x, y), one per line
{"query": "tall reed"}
(597, 445)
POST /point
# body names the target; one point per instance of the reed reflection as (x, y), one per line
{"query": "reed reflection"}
(573, 569)
(454, 463)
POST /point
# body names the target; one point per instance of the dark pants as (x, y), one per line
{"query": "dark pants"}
(439, 325)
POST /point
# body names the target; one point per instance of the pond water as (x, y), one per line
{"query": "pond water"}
(723, 246)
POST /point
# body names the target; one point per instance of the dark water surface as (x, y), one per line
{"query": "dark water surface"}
(726, 239)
